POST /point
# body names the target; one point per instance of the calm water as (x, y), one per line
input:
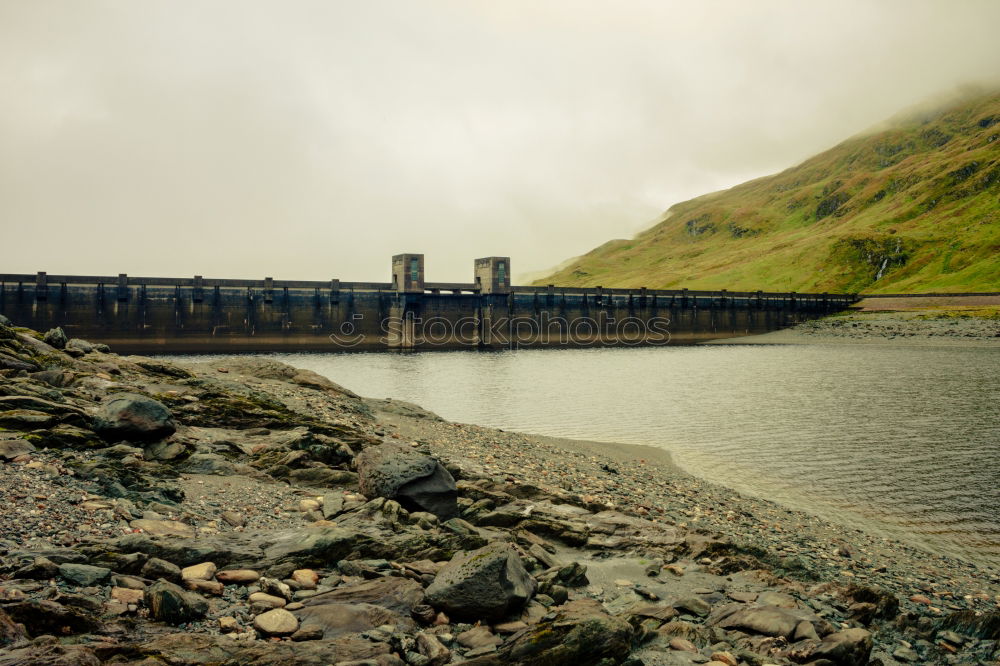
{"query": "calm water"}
(901, 441)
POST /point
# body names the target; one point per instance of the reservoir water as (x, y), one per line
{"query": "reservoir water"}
(900, 441)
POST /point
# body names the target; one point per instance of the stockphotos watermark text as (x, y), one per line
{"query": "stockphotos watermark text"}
(514, 331)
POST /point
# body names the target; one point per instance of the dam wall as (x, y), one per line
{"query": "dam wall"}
(184, 315)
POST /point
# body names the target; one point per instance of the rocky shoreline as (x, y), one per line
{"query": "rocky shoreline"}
(874, 321)
(244, 511)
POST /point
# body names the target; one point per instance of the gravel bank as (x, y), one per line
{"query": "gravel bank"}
(245, 511)
(918, 326)
(643, 481)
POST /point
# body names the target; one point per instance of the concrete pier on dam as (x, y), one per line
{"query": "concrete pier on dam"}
(185, 315)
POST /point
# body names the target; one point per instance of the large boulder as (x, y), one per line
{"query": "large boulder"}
(581, 634)
(135, 418)
(415, 480)
(169, 603)
(55, 337)
(485, 584)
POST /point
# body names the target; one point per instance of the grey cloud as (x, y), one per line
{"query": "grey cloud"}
(314, 139)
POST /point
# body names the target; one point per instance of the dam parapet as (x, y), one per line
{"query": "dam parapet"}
(199, 314)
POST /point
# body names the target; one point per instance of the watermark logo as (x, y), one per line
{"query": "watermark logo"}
(505, 331)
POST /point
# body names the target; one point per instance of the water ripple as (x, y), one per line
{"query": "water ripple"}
(901, 441)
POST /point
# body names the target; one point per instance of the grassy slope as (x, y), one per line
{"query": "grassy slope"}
(915, 207)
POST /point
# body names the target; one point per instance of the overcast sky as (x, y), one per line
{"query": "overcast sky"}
(312, 140)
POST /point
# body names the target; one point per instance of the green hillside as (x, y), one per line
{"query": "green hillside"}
(912, 207)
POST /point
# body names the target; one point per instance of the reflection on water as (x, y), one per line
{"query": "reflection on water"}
(902, 441)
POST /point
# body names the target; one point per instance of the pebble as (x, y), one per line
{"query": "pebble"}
(205, 586)
(203, 571)
(724, 658)
(228, 624)
(682, 645)
(307, 579)
(237, 576)
(277, 622)
(264, 599)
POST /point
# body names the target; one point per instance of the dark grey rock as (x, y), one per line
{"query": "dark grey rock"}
(579, 633)
(55, 337)
(169, 603)
(487, 583)
(135, 418)
(156, 568)
(417, 481)
(83, 575)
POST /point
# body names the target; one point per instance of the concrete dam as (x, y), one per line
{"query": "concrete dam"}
(162, 315)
